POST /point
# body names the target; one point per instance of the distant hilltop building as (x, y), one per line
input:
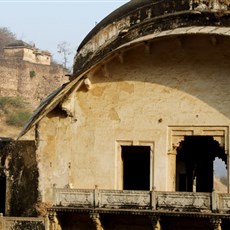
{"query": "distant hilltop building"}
(26, 52)
(27, 72)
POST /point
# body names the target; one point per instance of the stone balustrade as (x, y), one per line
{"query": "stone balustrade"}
(8, 223)
(143, 200)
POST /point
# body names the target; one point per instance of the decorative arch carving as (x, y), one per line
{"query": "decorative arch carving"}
(177, 134)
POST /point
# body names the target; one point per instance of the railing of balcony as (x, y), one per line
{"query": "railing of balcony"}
(142, 200)
(8, 223)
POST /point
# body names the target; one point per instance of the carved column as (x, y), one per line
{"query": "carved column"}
(155, 221)
(53, 221)
(1, 221)
(172, 169)
(216, 223)
(95, 217)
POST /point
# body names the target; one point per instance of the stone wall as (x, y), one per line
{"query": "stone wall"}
(29, 54)
(18, 163)
(28, 80)
(29, 223)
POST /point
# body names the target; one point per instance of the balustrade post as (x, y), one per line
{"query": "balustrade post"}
(216, 223)
(155, 221)
(95, 217)
(215, 203)
(153, 199)
(54, 194)
(96, 195)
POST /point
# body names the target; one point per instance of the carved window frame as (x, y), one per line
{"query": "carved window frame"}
(176, 134)
(119, 164)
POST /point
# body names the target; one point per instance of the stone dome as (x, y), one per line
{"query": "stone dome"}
(142, 20)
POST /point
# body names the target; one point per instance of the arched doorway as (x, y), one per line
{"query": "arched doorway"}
(194, 163)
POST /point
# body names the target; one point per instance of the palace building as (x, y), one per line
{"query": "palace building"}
(130, 141)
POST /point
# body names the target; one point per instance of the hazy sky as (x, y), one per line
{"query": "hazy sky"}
(48, 23)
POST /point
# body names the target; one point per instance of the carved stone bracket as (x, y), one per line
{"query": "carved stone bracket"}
(216, 223)
(53, 221)
(95, 217)
(155, 221)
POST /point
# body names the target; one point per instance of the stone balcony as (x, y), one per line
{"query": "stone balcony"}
(142, 201)
(9, 223)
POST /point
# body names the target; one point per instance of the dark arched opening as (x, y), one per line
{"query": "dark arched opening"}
(195, 163)
(2, 193)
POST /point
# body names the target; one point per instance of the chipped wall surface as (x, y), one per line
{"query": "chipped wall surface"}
(179, 81)
(20, 167)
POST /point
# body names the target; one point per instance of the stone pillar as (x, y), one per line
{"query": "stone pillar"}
(155, 221)
(95, 217)
(216, 223)
(53, 221)
(172, 170)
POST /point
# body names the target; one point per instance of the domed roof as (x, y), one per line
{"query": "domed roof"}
(115, 16)
(159, 8)
(139, 20)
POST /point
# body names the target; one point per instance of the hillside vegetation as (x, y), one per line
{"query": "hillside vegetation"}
(14, 114)
(15, 110)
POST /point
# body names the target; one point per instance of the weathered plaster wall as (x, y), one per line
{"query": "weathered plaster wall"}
(20, 167)
(28, 55)
(14, 53)
(41, 58)
(182, 81)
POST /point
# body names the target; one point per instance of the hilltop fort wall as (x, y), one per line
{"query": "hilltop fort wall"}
(26, 52)
(29, 80)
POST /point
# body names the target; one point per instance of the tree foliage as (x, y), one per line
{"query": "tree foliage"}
(6, 37)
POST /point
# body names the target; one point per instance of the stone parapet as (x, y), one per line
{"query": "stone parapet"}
(8, 223)
(186, 202)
